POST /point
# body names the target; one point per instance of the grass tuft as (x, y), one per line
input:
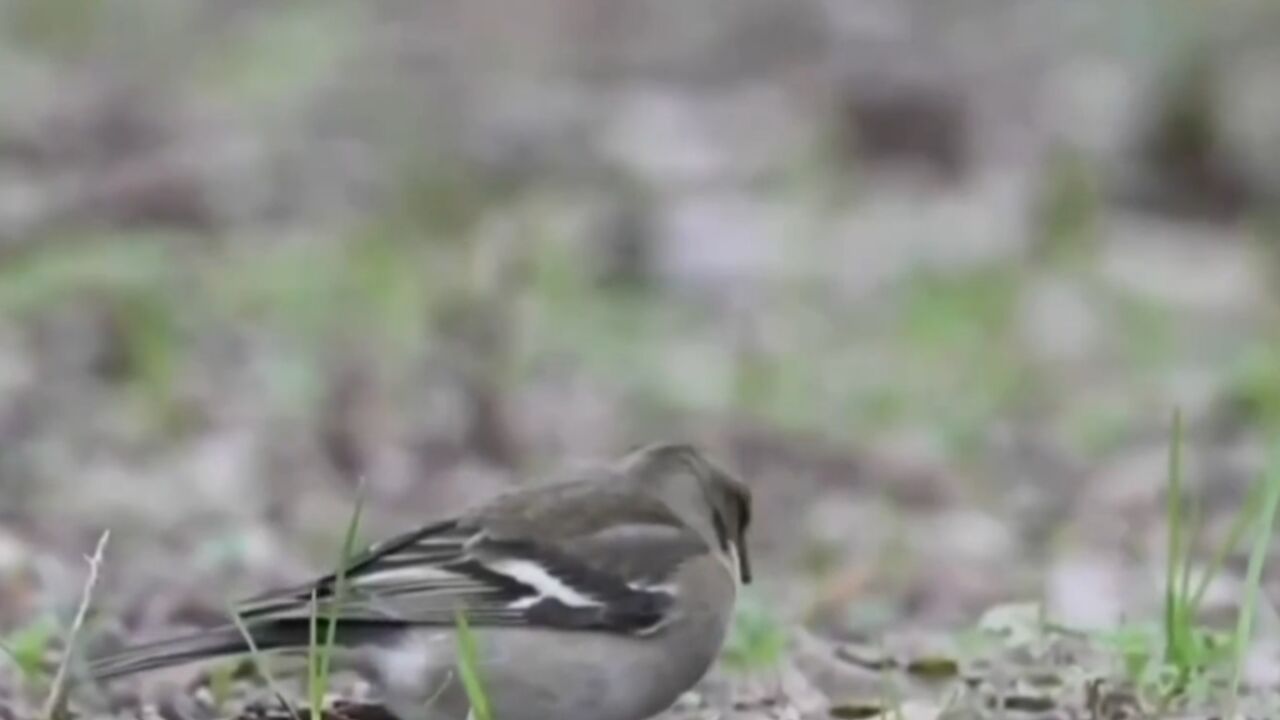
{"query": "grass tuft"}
(1190, 650)
(1180, 659)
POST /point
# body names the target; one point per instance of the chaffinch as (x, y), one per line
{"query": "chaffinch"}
(601, 598)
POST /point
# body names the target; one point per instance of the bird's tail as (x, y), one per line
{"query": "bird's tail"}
(164, 653)
(274, 635)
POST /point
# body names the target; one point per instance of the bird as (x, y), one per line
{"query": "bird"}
(604, 596)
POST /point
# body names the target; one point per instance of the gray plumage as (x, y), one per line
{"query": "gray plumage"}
(601, 598)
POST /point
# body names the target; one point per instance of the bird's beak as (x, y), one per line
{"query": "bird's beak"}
(744, 560)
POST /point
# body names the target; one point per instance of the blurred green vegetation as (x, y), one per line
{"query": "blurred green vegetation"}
(1254, 386)
(414, 279)
(54, 27)
(1067, 210)
(289, 51)
(28, 648)
(964, 363)
(421, 276)
(758, 639)
(128, 278)
(941, 353)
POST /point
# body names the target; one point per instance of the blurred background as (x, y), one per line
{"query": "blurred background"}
(931, 275)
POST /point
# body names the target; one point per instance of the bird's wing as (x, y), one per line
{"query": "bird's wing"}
(614, 578)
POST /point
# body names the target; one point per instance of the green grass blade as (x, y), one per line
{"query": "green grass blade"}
(469, 670)
(340, 582)
(320, 651)
(315, 691)
(1243, 521)
(1192, 652)
(1172, 603)
(1195, 516)
(1253, 576)
(262, 666)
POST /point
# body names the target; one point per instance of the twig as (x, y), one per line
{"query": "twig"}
(55, 704)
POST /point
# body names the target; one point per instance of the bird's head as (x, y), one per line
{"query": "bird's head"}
(705, 496)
